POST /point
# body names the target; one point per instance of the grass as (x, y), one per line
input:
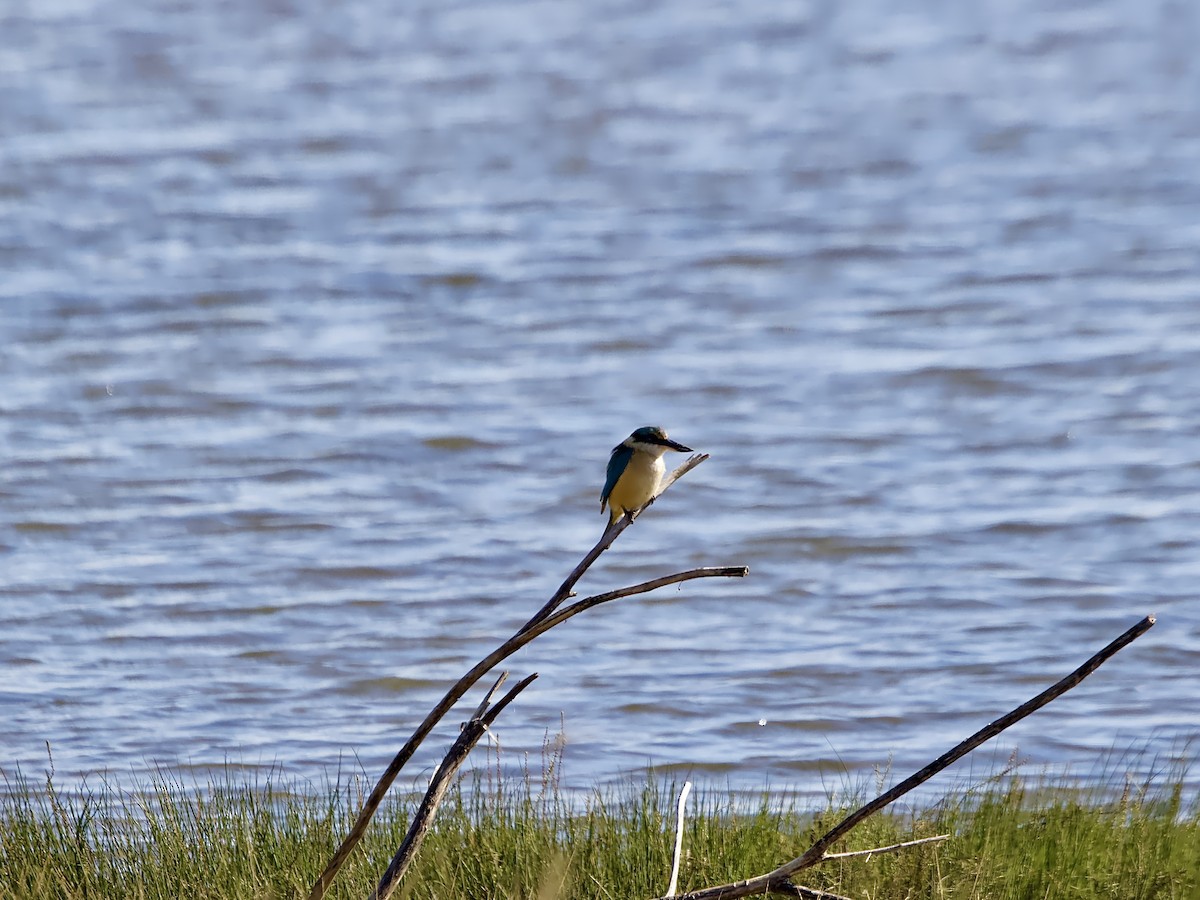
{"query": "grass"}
(519, 838)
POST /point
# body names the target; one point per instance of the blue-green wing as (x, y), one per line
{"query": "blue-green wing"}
(616, 465)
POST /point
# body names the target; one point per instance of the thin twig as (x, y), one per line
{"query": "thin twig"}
(892, 848)
(777, 880)
(652, 585)
(682, 469)
(790, 889)
(467, 739)
(465, 683)
(487, 699)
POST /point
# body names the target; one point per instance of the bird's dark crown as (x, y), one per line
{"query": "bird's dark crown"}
(649, 434)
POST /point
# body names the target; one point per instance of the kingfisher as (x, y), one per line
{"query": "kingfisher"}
(635, 470)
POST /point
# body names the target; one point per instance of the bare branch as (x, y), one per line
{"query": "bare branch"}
(953, 755)
(467, 739)
(779, 880)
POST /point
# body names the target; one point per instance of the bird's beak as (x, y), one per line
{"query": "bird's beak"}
(675, 445)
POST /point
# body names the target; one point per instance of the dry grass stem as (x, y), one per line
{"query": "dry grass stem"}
(892, 848)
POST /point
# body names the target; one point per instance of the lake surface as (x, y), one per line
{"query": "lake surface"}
(318, 324)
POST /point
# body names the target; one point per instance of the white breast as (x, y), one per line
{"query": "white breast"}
(645, 472)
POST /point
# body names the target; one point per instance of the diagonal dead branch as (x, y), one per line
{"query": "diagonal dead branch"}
(779, 881)
(962, 749)
(472, 731)
(460, 687)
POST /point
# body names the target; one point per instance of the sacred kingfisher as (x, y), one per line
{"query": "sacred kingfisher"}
(634, 471)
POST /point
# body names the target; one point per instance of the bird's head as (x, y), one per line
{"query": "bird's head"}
(652, 439)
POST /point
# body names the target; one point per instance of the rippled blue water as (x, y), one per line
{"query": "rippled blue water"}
(319, 322)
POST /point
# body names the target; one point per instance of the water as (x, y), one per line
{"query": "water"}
(318, 324)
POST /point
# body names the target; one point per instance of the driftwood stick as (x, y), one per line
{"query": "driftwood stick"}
(611, 533)
(779, 881)
(467, 681)
(679, 814)
(472, 731)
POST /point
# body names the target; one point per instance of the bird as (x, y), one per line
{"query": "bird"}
(635, 470)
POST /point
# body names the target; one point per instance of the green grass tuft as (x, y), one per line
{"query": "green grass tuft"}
(520, 838)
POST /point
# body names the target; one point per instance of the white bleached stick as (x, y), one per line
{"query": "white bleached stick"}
(683, 795)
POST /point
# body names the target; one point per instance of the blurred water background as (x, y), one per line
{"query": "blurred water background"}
(317, 324)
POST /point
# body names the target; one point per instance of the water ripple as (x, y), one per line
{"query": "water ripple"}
(317, 334)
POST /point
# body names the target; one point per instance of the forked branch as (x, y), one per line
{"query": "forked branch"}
(543, 621)
(472, 731)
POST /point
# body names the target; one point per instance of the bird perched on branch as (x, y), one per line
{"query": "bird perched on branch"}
(635, 470)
